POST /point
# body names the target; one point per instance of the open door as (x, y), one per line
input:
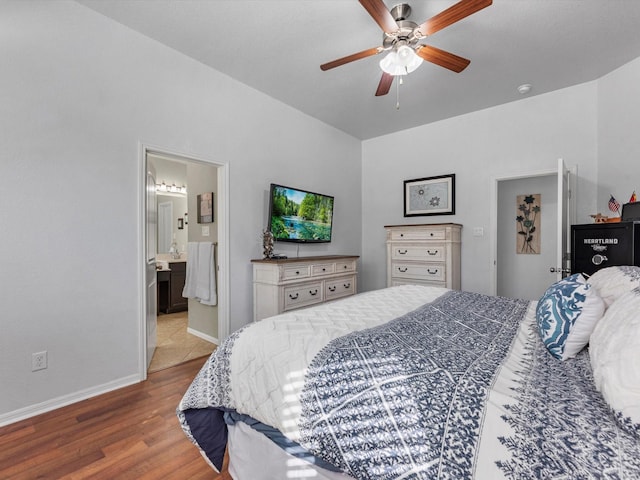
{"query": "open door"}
(151, 320)
(562, 267)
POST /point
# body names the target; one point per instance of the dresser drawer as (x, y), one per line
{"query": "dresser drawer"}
(349, 266)
(302, 295)
(430, 272)
(295, 272)
(339, 287)
(405, 281)
(421, 253)
(431, 234)
(323, 269)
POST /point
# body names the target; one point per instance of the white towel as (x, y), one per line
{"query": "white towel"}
(206, 275)
(189, 290)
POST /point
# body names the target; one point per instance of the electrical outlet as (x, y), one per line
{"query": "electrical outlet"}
(38, 361)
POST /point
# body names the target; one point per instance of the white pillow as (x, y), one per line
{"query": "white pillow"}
(612, 282)
(614, 351)
(566, 315)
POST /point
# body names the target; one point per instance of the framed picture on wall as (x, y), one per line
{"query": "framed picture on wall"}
(430, 196)
(205, 208)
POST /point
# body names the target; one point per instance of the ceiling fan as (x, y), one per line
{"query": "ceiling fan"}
(401, 37)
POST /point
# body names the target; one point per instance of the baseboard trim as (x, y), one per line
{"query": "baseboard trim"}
(63, 401)
(203, 336)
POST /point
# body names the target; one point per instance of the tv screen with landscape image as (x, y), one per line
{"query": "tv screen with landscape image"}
(299, 216)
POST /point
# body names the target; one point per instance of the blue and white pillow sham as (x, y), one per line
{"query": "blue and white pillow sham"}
(567, 314)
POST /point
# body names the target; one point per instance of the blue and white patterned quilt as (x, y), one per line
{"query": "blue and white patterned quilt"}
(416, 383)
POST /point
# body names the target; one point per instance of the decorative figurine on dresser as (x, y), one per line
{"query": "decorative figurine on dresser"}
(427, 254)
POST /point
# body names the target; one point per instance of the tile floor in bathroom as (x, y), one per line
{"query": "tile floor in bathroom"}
(175, 345)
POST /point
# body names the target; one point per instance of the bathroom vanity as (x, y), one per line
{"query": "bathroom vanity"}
(170, 286)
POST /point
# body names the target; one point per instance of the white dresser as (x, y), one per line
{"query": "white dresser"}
(280, 285)
(427, 254)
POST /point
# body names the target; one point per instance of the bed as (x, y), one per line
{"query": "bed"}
(415, 382)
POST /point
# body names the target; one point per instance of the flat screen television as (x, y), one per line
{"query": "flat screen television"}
(299, 216)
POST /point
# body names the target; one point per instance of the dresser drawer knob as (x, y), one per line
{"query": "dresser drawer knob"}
(292, 297)
(402, 252)
(402, 234)
(345, 267)
(324, 269)
(431, 234)
(400, 269)
(332, 289)
(346, 285)
(314, 292)
(297, 272)
(432, 272)
(432, 252)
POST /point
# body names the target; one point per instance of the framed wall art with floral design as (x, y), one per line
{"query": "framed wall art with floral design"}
(528, 224)
(430, 196)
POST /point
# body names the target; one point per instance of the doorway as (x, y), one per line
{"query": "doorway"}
(211, 326)
(523, 277)
(525, 274)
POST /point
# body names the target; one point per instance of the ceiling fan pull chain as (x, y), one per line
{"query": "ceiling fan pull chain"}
(398, 83)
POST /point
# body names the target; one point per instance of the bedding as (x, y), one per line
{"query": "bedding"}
(615, 358)
(408, 382)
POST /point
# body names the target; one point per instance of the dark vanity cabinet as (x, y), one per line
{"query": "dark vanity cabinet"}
(170, 286)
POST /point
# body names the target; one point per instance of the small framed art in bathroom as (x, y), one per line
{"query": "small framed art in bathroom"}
(205, 208)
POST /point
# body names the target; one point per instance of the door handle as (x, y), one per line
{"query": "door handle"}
(559, 270)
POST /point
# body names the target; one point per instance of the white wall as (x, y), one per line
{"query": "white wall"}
(203, 178)
(520, 137)
(79, 94)
(618, 134)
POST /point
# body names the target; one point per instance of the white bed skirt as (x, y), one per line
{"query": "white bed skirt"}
(252, 456)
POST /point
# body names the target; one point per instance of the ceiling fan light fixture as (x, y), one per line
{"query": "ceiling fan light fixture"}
(400, 61)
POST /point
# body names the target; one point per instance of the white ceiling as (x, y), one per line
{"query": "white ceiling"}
(277, 46)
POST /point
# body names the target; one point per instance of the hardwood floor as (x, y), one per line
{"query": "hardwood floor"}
(131, 433)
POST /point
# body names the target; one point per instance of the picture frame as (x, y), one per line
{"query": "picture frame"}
(430, 196)
(205, 207)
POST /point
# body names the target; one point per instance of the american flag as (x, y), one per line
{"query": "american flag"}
(614, 205)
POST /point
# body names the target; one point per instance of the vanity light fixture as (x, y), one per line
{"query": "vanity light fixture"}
(173, 188)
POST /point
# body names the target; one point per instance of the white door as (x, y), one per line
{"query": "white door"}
(565, 214)
(151, 320)
(165, 226)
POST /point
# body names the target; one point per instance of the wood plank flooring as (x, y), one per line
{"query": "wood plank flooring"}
(131, 433)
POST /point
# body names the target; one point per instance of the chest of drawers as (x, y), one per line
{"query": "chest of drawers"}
(427, 254)
(280, 285)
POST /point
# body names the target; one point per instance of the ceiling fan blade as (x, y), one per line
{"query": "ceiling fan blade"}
(442, 58)
(351, 58)
(384, 85)
(456, 12)
(378, 10)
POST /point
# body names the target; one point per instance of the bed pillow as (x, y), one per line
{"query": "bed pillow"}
(566, 315)
(612, 282)
(614, 351)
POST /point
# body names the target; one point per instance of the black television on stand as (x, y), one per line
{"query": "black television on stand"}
(301, 216)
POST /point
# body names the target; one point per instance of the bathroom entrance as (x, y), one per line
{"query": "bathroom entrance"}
(178, 328)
